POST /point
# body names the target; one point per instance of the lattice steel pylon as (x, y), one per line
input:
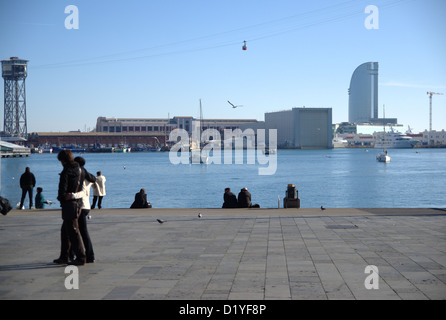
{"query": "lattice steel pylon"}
(14, 72)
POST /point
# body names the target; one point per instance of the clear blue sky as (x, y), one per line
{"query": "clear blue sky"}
(153, 58)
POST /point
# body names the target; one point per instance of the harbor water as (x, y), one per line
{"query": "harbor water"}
(336, 178)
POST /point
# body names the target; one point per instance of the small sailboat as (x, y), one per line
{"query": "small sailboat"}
(196, 149)
(383, 156)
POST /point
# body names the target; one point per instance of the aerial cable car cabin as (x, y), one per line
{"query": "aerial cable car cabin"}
(244, 46)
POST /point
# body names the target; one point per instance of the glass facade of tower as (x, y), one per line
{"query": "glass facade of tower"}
(363, 94)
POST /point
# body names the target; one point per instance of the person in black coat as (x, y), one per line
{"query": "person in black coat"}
(244, 199)
(141, 200)
(71, 181)
(27, 183)
(230, 200)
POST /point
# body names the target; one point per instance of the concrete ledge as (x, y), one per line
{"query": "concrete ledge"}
(251, 211)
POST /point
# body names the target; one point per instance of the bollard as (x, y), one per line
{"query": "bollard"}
(291, 199)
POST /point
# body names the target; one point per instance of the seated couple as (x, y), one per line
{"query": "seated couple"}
(243, 200)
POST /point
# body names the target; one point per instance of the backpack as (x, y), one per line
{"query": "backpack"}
(5, 206)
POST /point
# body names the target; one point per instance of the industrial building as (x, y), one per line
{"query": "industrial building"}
(302, 128)
(132, 132)
(166, 125)
(93, 139)
(433, 138)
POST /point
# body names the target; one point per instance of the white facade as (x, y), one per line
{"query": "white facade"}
(434, 138)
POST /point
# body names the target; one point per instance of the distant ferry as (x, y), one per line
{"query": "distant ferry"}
(395, 140)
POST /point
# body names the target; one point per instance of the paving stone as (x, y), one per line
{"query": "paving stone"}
(234, 254)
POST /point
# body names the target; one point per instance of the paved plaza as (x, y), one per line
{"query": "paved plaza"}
(231, 254)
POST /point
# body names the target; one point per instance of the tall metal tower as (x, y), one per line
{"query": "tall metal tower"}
(430, 108)
(14, 71)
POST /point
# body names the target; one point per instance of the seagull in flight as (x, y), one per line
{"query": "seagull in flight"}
(233, 106)
(160, 221)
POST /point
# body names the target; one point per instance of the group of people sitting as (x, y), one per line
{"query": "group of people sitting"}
(230, 200)
(242, 201)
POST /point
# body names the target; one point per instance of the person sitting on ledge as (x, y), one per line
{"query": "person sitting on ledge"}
(230, 200)
(40, 199)
(244, 199)
(141, 200)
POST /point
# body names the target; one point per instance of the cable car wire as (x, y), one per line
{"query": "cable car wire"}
(293, 23)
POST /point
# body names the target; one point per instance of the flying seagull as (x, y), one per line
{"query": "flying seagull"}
(322, 208)
(234, 106)
(199, 215)
(160, 221)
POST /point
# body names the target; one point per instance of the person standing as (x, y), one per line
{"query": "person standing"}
(27, 184)
(98, 190)
(84, 195)
(70, 181)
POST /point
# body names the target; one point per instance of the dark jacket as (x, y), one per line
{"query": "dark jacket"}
(140, 201)
(71, 180)
(88, 176)
(27, 180)
(244, 199)
(230, 200)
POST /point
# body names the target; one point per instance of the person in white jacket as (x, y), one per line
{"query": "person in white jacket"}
(98, 190)
(84, 195)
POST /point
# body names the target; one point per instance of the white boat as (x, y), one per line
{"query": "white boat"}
(383, 157)
(339, 143)
(46, 148)
(123, 149)
(197, 158)
(395, 140)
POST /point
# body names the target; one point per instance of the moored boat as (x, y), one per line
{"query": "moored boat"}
(395, 140)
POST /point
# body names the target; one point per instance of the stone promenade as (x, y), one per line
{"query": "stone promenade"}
(231, 254)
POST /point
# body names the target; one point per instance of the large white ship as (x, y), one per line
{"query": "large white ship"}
(394, 140)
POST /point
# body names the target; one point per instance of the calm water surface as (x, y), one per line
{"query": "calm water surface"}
(338, 178)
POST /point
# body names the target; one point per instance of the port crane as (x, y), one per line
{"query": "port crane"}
(430, 108)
